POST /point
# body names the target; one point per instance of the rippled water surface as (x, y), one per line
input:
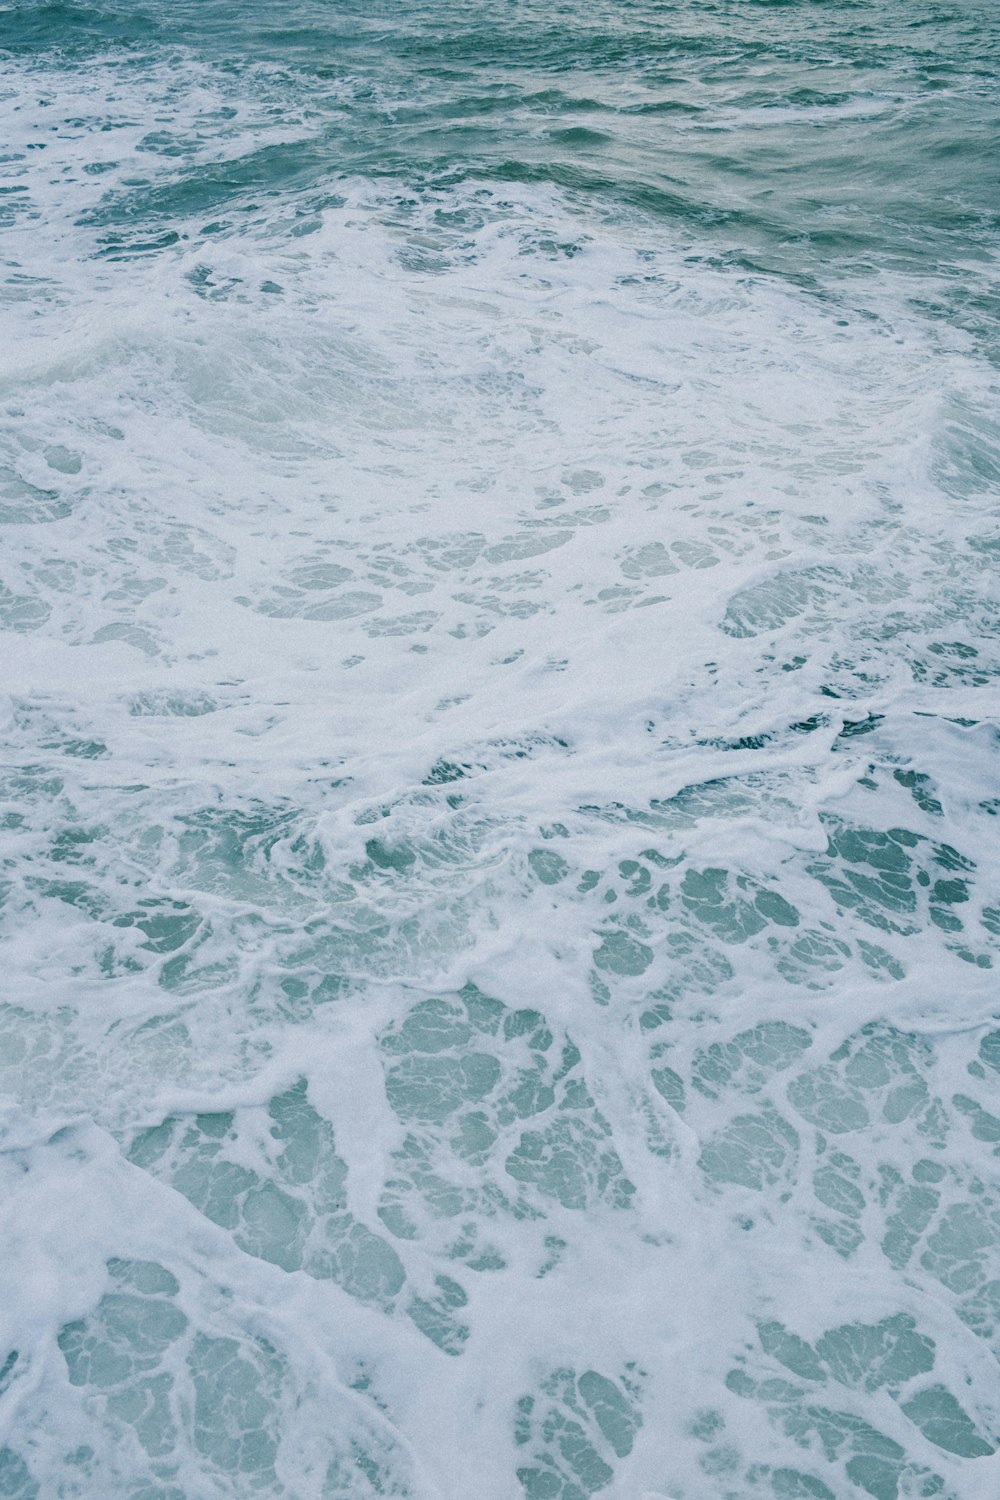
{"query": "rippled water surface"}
(499, 804)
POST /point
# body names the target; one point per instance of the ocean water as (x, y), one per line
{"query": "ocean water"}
(499, 799)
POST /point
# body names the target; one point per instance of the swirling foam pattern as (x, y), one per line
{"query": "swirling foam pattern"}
(499, 873)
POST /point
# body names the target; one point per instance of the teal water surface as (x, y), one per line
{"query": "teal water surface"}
(498, 804)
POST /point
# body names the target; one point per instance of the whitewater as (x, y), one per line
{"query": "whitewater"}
(499, 719)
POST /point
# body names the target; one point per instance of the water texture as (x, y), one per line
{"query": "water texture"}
(499, 801)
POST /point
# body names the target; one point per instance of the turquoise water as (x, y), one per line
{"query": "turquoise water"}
(499, 800)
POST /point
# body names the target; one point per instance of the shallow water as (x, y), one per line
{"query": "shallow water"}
(500, 709)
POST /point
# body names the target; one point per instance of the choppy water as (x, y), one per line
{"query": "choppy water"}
(498, 568)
